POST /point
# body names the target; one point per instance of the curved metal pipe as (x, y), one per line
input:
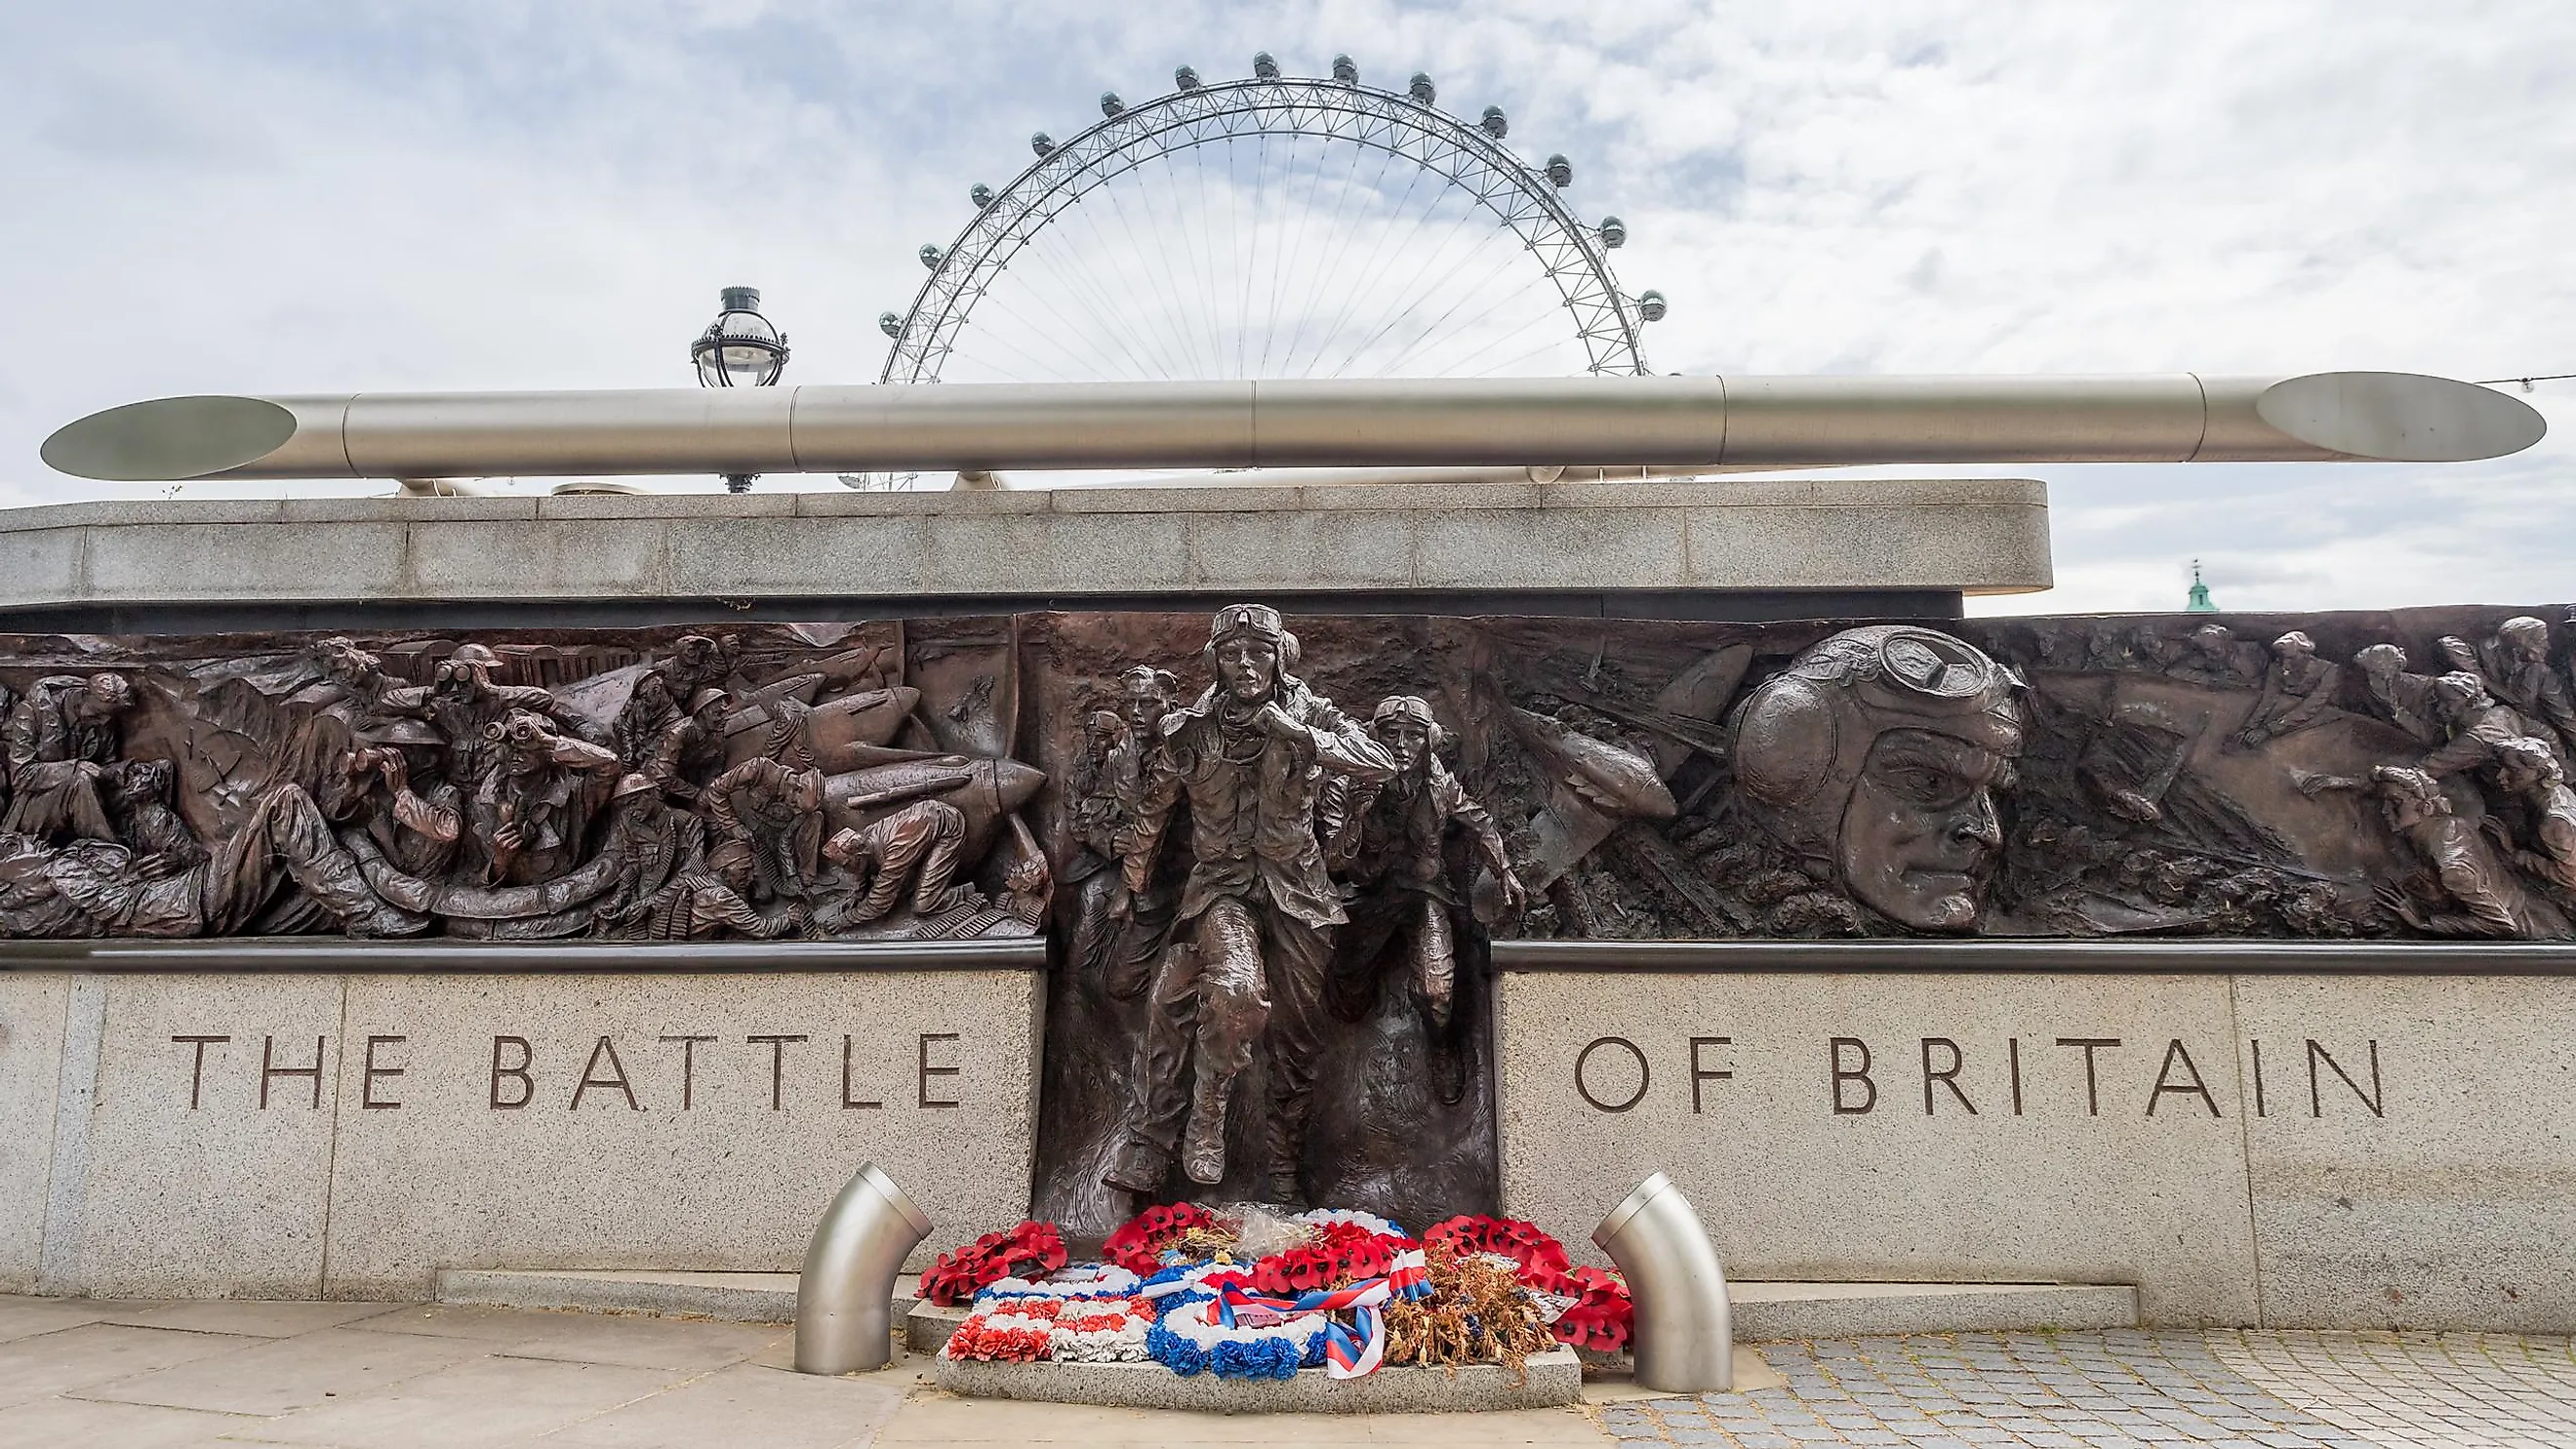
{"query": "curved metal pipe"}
(845, 1296)
(1684, 1340)
(1690, 422)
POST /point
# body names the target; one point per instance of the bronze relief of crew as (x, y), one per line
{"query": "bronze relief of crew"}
(693, 796)
(1325, 855)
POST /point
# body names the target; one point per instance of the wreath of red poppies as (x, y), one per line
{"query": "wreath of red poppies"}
(1603, 1314)
(1338, 1253)
(1024, 1252)
(1542, 1258)
(1138, 1244)
(978, 1339)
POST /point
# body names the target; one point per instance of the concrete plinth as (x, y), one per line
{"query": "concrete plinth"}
(2289, 1146)
(334, 1133)
(1802, 548)
(1553, 1378)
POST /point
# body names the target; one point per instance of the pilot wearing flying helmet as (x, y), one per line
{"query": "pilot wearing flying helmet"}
(1255, 923)
(1874, 759)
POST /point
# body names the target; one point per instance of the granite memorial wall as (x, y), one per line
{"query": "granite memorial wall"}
(1274, 863)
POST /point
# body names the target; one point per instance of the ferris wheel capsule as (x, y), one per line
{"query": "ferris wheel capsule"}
(1110, 105)
(1495, 123)
(1345, 70)
(1421, 89)
(1186, 77)
(931, 255)
(1264, 67)
(1614, 232)
(1560, 172)
(1043, 144)
(982, 196)
(889, 324)
(1650, 305)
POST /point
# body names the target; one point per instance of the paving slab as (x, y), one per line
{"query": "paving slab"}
(99, 1353)
(23, 1317)
(452, 1320)
(59, 1423)
(485, 1401)
(571, 1337)
(947, 1419)
(257, 1318)
(640, 1343)
(286, 1374)
(791, 1410)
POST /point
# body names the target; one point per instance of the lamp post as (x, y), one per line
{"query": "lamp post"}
(740, 349)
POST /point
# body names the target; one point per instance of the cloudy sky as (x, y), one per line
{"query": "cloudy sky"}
(381, 195)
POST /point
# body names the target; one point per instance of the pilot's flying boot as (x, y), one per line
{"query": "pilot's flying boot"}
(1203, 1140)
(1446, 1054)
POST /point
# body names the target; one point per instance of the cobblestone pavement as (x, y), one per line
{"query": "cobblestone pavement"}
(2137, 1389)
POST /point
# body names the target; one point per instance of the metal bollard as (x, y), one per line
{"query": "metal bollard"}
(1684, 1339)
(845, 1296)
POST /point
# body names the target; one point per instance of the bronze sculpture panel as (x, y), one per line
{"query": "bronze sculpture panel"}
(1270, 853)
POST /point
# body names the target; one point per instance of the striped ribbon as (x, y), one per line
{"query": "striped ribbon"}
(1411, 1275)
(1349, 1352)
(1354, 1352)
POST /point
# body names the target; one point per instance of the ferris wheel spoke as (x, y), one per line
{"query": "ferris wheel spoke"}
(1195, 293)
(1328, 262)
(1284, 260)
(1439, 272)
(1433, 272)
(1464, 297)
(1096, 331)
(1114, 294)
(1220, 269)
(1167, 347)
(1202, 237)
(1420, 218)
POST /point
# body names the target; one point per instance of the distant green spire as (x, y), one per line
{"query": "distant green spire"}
(2199, 603)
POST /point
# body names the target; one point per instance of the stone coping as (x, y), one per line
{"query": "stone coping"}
(289, 954)
(1236, 498)
(2161, 957)
(1553, 1378)
(1824, 536)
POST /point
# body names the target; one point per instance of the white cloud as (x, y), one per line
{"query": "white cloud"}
(298, 197)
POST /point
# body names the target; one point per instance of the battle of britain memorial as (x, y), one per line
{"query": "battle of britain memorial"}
(1283, 920)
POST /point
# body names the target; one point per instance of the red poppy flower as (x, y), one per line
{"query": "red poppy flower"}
(1030, 1249)
(1138, 1245)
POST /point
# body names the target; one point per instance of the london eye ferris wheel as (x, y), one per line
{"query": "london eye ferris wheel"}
(1275, 227)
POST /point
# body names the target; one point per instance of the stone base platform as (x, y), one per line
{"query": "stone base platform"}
(1737, 548)
(1553, 1378)
(730, 1297)
(1768, 1311)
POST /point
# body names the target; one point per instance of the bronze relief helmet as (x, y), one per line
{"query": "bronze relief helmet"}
(1874, 757)
(1405, 725)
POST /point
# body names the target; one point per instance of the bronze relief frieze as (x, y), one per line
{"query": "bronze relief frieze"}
(1270, 853)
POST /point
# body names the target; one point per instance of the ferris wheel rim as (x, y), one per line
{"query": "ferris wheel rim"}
(1568, 250)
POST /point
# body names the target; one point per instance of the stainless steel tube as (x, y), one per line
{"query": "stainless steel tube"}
(1690, 422)
(845, 1296)
(1684, 1339)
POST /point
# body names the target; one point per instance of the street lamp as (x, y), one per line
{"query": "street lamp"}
(740, 349)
